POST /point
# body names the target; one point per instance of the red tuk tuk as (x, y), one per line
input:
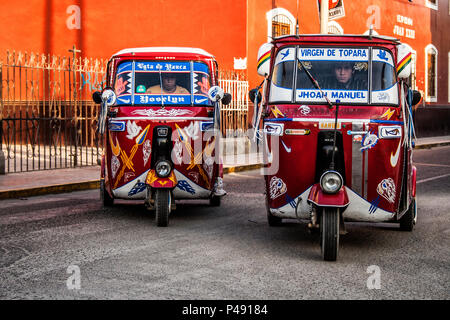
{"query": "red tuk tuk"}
(338, 128)
(160, 124)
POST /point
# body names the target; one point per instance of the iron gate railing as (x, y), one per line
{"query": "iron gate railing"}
(48, 119)
(234, 117)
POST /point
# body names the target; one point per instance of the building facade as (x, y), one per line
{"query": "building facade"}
(233, 30)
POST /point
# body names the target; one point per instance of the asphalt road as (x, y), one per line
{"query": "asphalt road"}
(67, 246)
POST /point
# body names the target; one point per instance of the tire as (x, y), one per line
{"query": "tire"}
(163, 201)
(271, 219)
(407, 221)
(329, 234)
(104, 195)
(214, 201)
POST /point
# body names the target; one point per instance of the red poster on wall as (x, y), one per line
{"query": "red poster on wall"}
(335, 9)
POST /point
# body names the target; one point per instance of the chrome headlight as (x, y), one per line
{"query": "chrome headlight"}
(331, 182)
(163, 168)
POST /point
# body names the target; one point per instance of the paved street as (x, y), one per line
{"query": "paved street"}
(219, 253)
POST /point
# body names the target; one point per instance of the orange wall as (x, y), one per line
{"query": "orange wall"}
(257, 29)
(358, 16)
(107, 26)
(228, 29)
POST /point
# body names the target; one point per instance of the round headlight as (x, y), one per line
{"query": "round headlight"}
(163, 168)
(331, 182)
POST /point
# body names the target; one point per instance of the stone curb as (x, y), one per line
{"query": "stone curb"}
(52, 189)
(95, 184)
(87, 185)
(432, 145)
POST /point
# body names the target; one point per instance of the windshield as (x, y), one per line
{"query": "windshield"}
(162, 83)
(341, 74)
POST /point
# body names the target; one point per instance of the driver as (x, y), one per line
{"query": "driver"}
(344, 73)
(169, 86)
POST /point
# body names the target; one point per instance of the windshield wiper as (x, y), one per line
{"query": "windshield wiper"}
(161, 86)
(315, 83)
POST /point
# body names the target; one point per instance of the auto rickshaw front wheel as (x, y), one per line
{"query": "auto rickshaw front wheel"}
(329, 233)
(107, 200)
(163, 203)
(408, 220)
(271, 219)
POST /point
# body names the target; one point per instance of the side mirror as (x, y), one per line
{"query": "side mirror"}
(97, 97)
(215, 93)
(226, 99)
(416, 97)
(252, 94)
(109, 97)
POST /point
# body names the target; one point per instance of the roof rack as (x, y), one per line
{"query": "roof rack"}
(164, 50)
(369, 37)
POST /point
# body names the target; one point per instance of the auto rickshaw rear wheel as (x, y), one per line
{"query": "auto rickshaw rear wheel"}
(273, 221)
(407, 221)
(214, 201)
(329, 234)
(162, 206)
(104, 195)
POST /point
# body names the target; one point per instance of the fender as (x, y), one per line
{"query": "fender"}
(104, 176)
(161, 183)
(322, 199)
(414, 177)
(102, 167)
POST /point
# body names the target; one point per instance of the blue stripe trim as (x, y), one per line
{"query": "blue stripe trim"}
(278, 119)
(294, 199)
(386, 121)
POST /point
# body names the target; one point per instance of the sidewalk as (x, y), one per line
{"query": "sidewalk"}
(33, 183)
(26, 184)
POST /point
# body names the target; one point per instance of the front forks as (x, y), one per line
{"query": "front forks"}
(316, 215)
(150, 199)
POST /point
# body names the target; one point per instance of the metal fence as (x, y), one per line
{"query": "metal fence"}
(234, 116)
(48, 119)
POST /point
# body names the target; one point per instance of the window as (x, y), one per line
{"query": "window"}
(279, 22)
(280, 27)
(162, 83)
(342, 73)
(433, 4)
(431, 73)
(383, 72)
(413, 70)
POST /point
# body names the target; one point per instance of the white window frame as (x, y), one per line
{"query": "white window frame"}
(272, 14)
(374, 33)
(432, 5)
(428, 98)
(414, 69)
(334, 24)
(448, 77)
